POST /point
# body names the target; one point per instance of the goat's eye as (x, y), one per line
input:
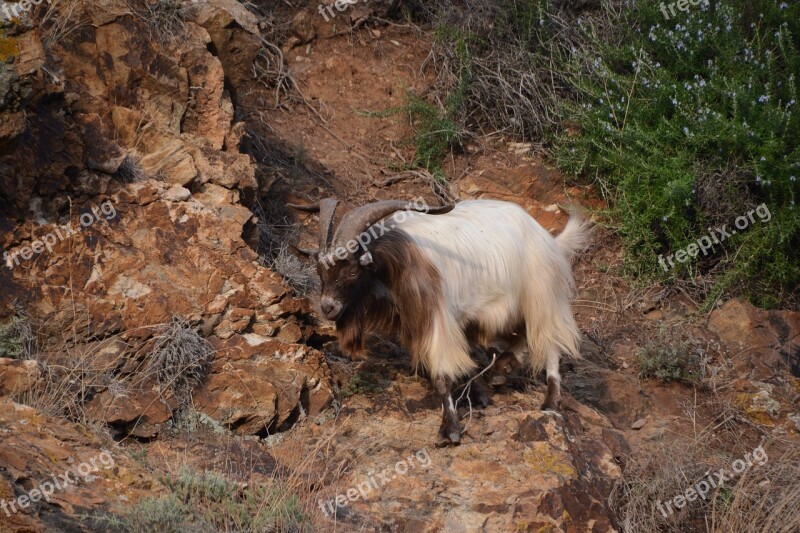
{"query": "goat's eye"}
(353, 274)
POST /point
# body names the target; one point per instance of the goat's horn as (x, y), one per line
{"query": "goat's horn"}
(327, 208)
(358, 220)
(312, 208)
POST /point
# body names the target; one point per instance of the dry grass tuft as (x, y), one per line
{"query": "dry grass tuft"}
(510, 62)
(165, 19)
(130, 170)
(179, 360)
(276, 232)
(17, 340)
(766, 501)
(61, 19)
(762, 498)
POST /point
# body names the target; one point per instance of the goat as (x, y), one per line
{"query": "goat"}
(440, 278)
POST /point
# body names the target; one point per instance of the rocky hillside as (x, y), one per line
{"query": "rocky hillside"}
(150, 310)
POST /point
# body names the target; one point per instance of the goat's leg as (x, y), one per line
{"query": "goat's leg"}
(478, 394)
(450, 430)
(552, 399)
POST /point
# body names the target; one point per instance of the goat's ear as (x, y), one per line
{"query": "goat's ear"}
(303, 253)
(366, 259)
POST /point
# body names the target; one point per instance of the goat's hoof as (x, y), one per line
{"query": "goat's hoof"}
(481, 400)
(448, 437)
(551, 406)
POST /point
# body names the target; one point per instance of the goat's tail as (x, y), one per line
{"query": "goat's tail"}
(576, 236)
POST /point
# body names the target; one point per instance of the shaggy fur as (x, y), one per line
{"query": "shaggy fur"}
(485, 271)
(500, 270)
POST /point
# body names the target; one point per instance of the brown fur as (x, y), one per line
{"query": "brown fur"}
(388, 296)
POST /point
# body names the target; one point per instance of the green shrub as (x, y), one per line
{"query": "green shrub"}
(362, 383)
(435, 133)
(211, 502)
(689, 124)
(670, 357)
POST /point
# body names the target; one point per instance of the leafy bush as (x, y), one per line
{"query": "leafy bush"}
(435, 132)
(362, 383)
(691, 122)
(671, 357)
(211, 502)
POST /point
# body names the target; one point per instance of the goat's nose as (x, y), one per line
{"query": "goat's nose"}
(327, 306)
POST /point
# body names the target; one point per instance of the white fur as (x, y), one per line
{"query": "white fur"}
(499, 267)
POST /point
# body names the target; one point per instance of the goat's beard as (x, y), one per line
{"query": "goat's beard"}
(374, 312)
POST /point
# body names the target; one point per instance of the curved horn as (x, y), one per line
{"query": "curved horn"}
(358, 220)
(327, 208)
(313, 208)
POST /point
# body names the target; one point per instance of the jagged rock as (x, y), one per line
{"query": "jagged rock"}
(302, 26)
(234, 33)
(34, 448)
(165, 242)
(140, 413)
(517, 468)
(262, 384)
(176, 193)
(762, 340)
(21, 56)
(211, 112)
(17, 376)
(226, 169)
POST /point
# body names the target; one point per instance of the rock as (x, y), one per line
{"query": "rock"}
(639, 424)
(17, 375)
(102, 155)
(35, 447)
(211, 110)
(760, 406)
(214, 196)
(235, 35)
(169, 158)
(616, 442)
(139, 413)
(226, 169)
(21, 56)
(233, 140)
(302, 26)
(176, 193)
(236, 320)
(762, 340)
(260, 385)
(531, 429)
(517, 469)
(590, 383)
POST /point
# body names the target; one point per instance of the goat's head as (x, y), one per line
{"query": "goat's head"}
(345, 264)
